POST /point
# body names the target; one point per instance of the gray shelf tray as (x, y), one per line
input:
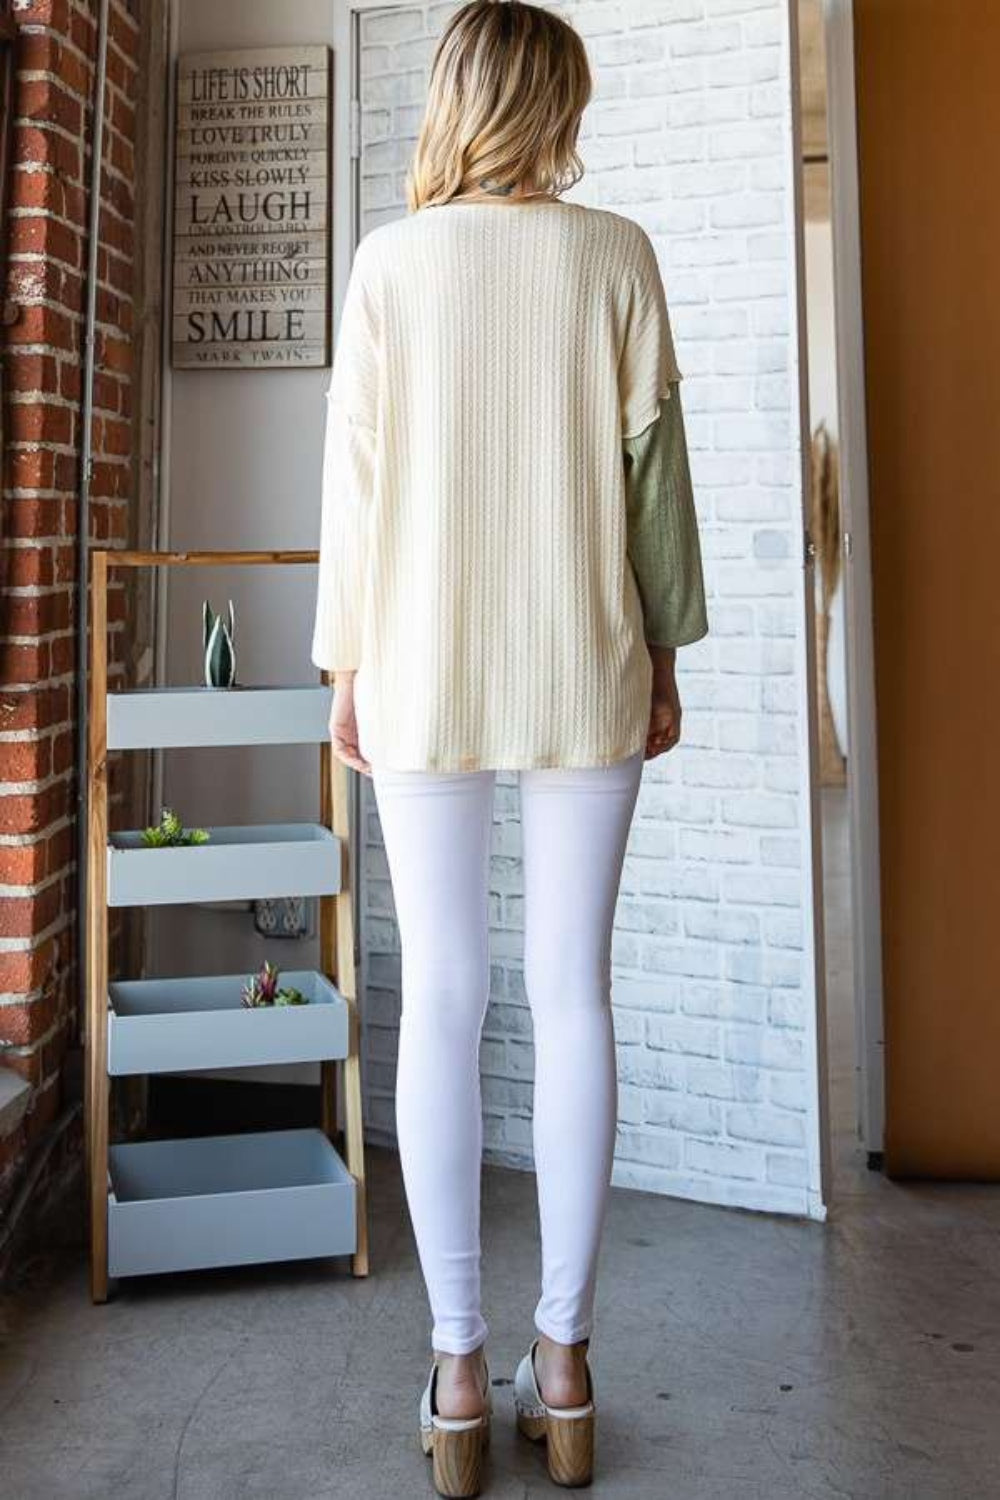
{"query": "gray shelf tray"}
(186, 1024)
(164, 718)
(240, 863)
(234, 1200)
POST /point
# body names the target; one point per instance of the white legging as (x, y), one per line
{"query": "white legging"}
(437, 830)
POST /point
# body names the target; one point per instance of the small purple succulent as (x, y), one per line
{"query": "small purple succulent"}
(262, 989)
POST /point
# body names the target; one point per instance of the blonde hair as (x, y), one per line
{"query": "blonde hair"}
(508, 85)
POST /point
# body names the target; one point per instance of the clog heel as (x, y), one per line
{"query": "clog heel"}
(457, 1444)
(568, 1431)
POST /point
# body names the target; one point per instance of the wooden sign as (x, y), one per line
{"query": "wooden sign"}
(252, 202)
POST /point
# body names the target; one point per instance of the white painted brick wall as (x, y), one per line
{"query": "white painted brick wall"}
(688, 133)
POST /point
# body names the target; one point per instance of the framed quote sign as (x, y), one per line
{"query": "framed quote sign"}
(251, 270)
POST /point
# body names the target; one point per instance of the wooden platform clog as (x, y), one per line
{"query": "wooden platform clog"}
(568, 1431)
(456, 1444)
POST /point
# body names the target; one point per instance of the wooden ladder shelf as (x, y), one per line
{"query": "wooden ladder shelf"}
(160, 1206)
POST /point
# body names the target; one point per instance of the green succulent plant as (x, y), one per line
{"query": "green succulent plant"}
(170, 832)
(262, 989)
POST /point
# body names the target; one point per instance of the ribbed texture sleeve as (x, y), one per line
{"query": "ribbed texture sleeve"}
(347, 498)
(662, 527)
(649, 364)
(474, 568)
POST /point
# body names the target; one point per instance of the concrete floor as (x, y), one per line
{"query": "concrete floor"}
(736, 1357)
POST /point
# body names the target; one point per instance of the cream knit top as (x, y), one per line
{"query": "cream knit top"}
(473, 569)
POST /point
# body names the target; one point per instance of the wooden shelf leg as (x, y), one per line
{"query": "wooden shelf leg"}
(96, 1083)
(337, 958)
(328, 1098)
(354, 1141)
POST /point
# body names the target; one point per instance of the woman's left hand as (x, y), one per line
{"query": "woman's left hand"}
(665, 705)
(344, 725)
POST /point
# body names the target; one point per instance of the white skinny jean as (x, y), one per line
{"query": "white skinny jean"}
(437, 830)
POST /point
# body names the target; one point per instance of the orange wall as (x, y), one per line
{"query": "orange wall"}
(929, 127)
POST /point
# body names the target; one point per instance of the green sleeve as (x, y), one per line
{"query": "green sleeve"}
(662, 529)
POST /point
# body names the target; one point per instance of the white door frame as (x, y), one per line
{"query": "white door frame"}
(814, 933)
(863, 769)
(347, 128)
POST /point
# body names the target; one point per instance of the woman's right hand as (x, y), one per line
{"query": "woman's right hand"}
(343, 724)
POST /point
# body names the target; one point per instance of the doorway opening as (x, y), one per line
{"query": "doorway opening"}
(689, 135)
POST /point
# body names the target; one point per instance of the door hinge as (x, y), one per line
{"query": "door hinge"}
(848, 545)
(808, 549)
(355, 129)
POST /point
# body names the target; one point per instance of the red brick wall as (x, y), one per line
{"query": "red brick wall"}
(44, 356)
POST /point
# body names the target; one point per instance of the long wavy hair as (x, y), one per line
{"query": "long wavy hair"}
(509, 83)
